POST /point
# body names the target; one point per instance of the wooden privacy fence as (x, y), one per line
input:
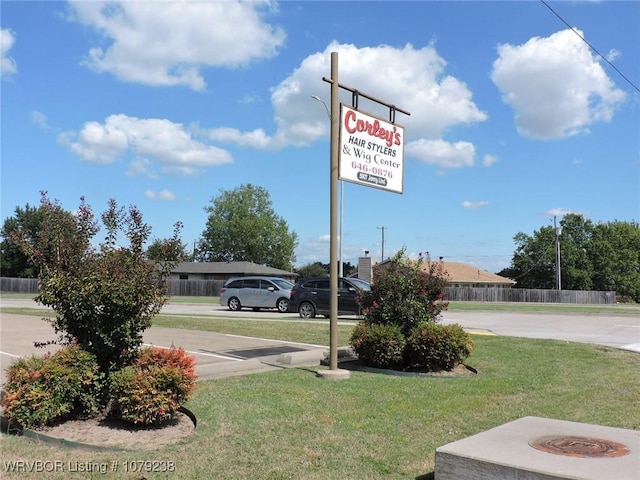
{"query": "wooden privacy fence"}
(19, 285)
(470, 294)
(211, 288)
(195, 288)
(182, 288)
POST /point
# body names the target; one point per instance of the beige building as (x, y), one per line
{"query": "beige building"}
(464, 275)
(458, 274)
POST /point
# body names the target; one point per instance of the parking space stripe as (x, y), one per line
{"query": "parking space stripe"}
(225, 357)
(9, 354)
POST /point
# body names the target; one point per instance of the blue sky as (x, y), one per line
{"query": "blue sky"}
(164, 104)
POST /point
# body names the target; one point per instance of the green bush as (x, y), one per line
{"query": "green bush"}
(433, 347)
(105, 296)
(42, 390)
(405, 293)
(399, 329)
(379, 346)
(153, 389)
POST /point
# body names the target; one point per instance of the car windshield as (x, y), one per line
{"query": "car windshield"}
(283, 283)
(361, 284)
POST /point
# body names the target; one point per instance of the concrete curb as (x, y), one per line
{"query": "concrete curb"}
(227, 369)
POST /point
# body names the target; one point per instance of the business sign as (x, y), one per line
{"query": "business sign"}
(371, 151)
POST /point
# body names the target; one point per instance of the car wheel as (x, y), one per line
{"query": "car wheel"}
(306, 310)
(234, 304)
(283, 305)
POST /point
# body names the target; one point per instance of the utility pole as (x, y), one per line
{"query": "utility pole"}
(382, 228)
(558, 231)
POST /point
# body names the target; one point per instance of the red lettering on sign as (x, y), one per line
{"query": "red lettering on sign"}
(354, 124)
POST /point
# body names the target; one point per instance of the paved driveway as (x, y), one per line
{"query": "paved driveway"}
(618, 331)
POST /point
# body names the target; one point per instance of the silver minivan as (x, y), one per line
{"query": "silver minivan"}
(256, 293)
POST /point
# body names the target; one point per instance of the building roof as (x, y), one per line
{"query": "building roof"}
(459, 272)
(229, 268)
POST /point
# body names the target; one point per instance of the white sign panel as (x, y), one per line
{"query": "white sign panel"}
(371, 150)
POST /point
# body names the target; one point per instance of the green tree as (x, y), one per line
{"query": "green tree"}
(576, 269)
(533, 261)
(242, 226)
(603, 256)
(167, 249)
(103, 298)
(315, 269)
(614, 252)
(13, 261)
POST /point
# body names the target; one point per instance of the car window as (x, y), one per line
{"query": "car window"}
(235, 284)
(265, 284)
(310, 284)
(323, 284)
(361, 284)
(251, 283)
(283, 284)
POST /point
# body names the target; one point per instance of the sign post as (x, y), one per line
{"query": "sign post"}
(372, 154)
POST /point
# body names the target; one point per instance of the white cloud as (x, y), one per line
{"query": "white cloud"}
(8, 65)
(560, 211)
(161, 195)
(168, 43)
(442, 153)
(255, 139)
(40, 119)
(613, 55)
(555, 85)
(489, 160)
(141, 166)
(473, 205)
(151, 140)
(411, 78)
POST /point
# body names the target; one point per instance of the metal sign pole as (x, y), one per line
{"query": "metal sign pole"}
(333, 249)
(334, 373)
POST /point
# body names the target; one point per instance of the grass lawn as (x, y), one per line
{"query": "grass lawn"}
(291, 424)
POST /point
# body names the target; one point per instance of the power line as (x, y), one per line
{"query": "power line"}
(590, 46)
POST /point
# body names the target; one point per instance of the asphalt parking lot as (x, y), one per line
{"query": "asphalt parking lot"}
(216, 354)
(222, 354)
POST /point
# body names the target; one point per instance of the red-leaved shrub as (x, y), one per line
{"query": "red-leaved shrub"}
(153, 389)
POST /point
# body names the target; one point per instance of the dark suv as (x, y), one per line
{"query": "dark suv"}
(310, 297)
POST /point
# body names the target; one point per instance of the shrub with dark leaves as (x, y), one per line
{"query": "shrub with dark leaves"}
(434, 347)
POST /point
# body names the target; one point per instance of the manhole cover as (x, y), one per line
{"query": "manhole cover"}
(584, 447)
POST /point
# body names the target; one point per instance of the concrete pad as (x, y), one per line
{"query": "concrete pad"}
(227, 369)
(505, 453)
(306, 357)
(337, 374)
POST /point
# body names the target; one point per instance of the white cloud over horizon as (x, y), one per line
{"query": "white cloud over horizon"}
(161, 195)
(152, 140)
(561, 211)
(474, 205)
